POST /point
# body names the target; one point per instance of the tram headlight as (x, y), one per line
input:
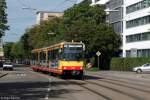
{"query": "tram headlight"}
(65, 67)
(81, 68)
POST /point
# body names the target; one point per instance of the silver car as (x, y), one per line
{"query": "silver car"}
(7, 65)
(143, 68)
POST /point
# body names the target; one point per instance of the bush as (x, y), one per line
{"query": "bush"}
(126, 64)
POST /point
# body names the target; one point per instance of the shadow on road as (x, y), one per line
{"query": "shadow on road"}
(22, 91)
(32, 90)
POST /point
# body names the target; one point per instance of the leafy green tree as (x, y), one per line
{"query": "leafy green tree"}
(7, 50)
(26, 46)
(3, 17)
(38, 35)
(17, 50)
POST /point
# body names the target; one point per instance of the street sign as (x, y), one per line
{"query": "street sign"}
(98, 53)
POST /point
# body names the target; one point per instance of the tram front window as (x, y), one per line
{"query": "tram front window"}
(72, 52)
(72, 56)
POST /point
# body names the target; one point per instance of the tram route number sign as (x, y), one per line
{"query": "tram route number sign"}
(98, 53)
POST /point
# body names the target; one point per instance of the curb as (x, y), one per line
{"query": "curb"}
(3, 75)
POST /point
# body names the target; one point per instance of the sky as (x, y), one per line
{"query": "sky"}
(20, 19)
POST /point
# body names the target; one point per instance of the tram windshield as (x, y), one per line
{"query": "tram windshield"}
(73, 52)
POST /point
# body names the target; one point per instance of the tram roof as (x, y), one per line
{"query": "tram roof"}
(55, 46)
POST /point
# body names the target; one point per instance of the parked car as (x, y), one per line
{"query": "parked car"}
(8, 65)
(143, 68)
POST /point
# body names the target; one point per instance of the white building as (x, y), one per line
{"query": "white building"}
(136, 35)
(135, 25)
(44, 15)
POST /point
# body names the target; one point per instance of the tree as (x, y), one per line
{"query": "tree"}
(3, 18)
(17, 50)
(7, 50)
(26, 46)
(38, 35)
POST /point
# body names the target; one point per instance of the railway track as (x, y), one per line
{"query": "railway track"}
(117, 90)
(121, 88)
(98, 93)
(75, 82)
(123, 83)
(120, 79)
(126, 85)
(132, 96)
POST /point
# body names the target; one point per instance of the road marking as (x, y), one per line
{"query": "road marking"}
(22, 75)
(49, 88)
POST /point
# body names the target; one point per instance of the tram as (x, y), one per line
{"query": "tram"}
(64, 59)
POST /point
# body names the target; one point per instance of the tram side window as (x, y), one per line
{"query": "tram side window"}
(53, 58)
(42, 59)
(34, 59)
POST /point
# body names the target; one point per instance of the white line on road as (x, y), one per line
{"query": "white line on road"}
(49, 88)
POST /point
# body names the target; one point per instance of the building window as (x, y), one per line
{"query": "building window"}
(140, 53)
(128, 53)
(118, 27)
(138, 22)
(138, 6)
(51, 17)
(138, 37)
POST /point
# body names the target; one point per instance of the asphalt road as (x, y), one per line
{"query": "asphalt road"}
(24, 84)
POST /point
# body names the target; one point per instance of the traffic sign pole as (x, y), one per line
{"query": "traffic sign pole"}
(98, 54)
(98, 62)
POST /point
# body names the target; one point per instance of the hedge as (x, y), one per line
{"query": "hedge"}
(126, 64)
